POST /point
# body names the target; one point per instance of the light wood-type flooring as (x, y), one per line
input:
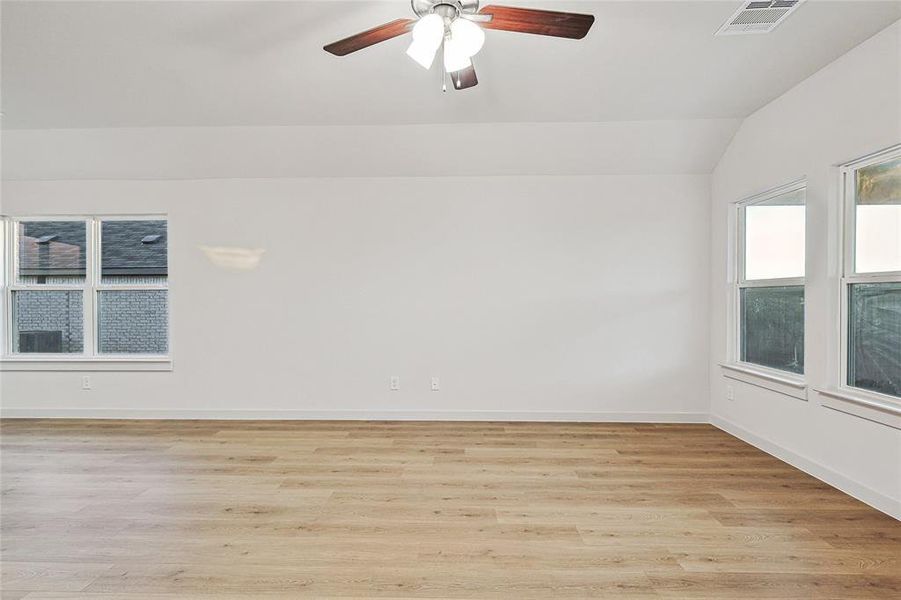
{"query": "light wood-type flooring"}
(190, 510)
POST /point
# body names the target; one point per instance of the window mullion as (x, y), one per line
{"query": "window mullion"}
(888, 277)
(768, 283)
(47, 287)
(112, 287)
(849, 234)
(90, 345)
(849, 225)
(6, 347)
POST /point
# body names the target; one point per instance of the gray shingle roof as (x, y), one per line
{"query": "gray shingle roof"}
(124, 250)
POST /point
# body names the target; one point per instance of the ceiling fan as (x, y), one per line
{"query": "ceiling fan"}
(458, 26)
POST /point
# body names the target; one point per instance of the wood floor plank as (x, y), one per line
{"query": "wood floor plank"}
(203, 510)
(50, 576)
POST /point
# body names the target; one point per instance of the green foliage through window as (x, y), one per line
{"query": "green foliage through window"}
(874, 337)
(772, 327)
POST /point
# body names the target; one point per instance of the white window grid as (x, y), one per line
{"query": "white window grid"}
(91, 288)
(742, 283)
(849, 274)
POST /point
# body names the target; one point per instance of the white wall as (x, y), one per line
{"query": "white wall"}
(435, 150)
(847, 110)
(531, 297)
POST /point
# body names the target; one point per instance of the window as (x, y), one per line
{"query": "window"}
(871, 286)
(770, 282)
(86, 288)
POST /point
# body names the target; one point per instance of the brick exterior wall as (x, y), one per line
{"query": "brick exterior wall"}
(134, 322)
(131, 321)
(52, 311)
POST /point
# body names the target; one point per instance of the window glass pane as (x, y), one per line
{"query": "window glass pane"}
(874, 337)
(878, 218)
(772, 327)
(133, 322)
(46, 321)
(52, 252)
(774, 237)
(133, 252)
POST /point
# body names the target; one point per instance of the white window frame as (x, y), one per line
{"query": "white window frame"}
(841, 389)
(785, 382)
(90, 359)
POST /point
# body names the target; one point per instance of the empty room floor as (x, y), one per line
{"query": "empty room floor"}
(214, 509)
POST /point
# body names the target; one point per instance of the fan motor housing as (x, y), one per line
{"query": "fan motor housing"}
(424, 7)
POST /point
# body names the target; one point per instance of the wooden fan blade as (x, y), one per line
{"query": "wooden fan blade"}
(370, 36)
(465, 78)
(540, 22)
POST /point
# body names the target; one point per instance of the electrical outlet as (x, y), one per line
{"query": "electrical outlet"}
(730, 393)
(85, 382)
(436, 384)
(394, 383)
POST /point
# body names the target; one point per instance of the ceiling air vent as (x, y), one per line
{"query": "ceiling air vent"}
(760, 16)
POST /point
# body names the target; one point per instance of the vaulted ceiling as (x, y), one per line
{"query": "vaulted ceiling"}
(144, 64)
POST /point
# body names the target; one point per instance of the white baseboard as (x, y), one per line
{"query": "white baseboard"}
(359, 415)
(877, 500)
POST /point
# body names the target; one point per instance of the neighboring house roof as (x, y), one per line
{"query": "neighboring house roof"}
(58, 248)
(124, 250)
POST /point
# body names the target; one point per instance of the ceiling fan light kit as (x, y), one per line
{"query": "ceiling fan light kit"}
(459, 26)
(428, 33)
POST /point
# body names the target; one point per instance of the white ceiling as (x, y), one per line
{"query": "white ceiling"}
(140, 64)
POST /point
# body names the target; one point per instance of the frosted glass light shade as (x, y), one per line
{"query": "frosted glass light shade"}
(428, 34)
(454, 57)
(468, 36)
(429, 30)
(422, 53)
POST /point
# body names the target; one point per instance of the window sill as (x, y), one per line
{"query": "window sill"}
(17, 363)
(770, 379)
(866, 405)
